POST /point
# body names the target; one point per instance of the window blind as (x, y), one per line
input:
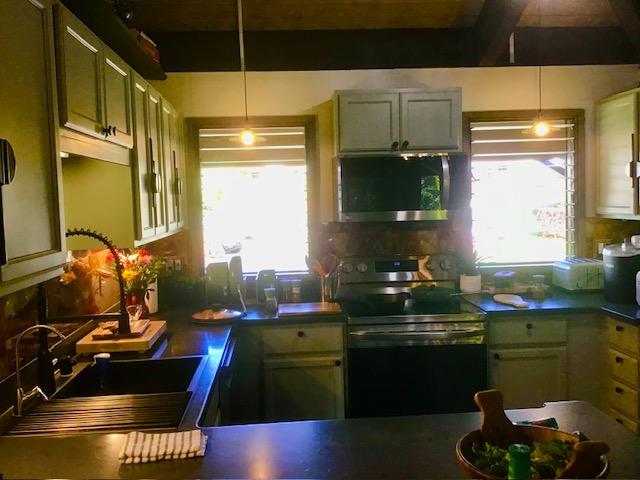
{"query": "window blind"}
(515, 141)
(274, 145)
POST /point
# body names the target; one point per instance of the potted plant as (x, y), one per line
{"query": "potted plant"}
(470, 278)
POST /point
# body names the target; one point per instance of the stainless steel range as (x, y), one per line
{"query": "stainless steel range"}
(414, 347)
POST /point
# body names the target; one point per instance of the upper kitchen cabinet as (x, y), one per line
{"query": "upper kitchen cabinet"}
(117, 99)
(396, 121)
(32, 240)
(618, 167)
(173, 166)
(431, 121)
(368, 122)
(94, 86)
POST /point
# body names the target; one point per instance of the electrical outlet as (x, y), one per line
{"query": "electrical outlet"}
(169, 265)
(177, 265)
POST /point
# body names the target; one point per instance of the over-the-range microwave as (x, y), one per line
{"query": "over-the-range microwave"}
(394, 188)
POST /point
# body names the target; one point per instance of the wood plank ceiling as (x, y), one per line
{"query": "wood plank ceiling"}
(326, 34)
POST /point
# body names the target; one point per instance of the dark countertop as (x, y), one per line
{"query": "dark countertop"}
(397, 447)
(556, 301)
(629, 313)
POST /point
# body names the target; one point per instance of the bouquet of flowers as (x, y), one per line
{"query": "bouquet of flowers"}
(139, 270)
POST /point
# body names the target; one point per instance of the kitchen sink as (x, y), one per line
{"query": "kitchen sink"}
(134, 377)
(137, 394)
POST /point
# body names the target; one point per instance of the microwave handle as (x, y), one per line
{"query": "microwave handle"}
(446, 182)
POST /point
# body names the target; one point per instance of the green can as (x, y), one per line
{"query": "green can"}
(519, 462)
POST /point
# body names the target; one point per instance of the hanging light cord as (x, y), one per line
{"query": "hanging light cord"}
(243, 66)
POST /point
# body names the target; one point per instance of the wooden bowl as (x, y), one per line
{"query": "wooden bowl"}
(536, 433)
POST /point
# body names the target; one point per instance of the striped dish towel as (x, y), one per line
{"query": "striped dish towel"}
(141, 447)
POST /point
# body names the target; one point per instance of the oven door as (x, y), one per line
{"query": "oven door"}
(429, 370)
(393, 188)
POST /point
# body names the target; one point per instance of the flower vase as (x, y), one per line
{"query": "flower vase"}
(138, 299)
(151, 298)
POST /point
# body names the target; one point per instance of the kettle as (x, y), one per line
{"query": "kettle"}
(621, 264)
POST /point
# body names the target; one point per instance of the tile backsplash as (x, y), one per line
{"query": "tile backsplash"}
(597, 229)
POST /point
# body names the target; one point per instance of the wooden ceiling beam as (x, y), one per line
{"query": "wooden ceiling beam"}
(629, 19)
(494, 26)
(369, 49)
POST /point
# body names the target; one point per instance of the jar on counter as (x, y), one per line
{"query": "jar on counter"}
(538, 287)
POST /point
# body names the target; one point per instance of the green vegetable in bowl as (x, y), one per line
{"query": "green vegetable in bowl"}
(548, 459)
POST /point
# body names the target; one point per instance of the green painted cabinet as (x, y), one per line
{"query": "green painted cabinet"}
(398, 120)
(94, 83)
(32, 246)
(618, 160)
(173, 166)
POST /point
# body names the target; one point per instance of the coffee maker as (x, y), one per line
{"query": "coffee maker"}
(621, 264)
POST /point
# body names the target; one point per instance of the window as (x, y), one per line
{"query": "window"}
(254, 199)
(523, 198)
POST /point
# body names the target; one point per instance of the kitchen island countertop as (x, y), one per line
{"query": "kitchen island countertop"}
(393, 447)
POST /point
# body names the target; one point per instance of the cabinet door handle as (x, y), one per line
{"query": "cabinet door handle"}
(405, 144)
(619, 359)
(496, 356)
(529, 326)
(619, 390)
(7, 163)
(395, 145)
(619, 328)
(337, 363)
(300, 334)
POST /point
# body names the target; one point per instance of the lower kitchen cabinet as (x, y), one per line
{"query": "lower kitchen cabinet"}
(623, 392)
(303, 388)
(528, 377)
(303, 372)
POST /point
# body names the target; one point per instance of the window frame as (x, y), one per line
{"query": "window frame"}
(574, 115)
(193, 126)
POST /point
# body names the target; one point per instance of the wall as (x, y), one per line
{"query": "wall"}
(304, 93)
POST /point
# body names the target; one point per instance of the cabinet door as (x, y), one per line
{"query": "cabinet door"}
(368, 122)
(117, 99)
(172, 166)
(156, 166)
(528, 377)
(79, 54)
(617, 136)
(431, 121)
(32, 241)
(304, 388)
(144, 198)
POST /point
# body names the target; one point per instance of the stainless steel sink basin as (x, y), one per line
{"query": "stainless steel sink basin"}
(138, 394)
(134, 377)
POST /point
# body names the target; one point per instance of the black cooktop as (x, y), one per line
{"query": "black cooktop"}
(357, 308)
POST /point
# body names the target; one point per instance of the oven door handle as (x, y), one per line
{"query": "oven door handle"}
(441, 334)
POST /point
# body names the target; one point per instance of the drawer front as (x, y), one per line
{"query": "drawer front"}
(528, 330)
(302, 338)
(625, 421)
(623, 367)
(623, 399)
(623, 336)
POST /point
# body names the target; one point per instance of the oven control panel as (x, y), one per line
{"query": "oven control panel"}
(398, 268)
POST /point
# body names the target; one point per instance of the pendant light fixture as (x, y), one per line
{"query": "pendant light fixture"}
(540, 126)
(247, 135)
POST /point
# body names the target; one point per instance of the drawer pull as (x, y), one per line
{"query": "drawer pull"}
(496, 356)
(338, 363)
(300, 333)
(619, 359)
(619, 328)
(619, 390)
(529, 326)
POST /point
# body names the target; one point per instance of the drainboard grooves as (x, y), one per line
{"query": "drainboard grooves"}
(108, 413)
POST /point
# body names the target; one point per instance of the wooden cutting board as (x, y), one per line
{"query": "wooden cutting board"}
(138, 344)
(308, 309)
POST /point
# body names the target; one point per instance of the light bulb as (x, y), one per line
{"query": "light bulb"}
(541, 128)
(248, 137)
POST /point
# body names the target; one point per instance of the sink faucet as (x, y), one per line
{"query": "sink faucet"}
(21, 397)
(123, 320)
